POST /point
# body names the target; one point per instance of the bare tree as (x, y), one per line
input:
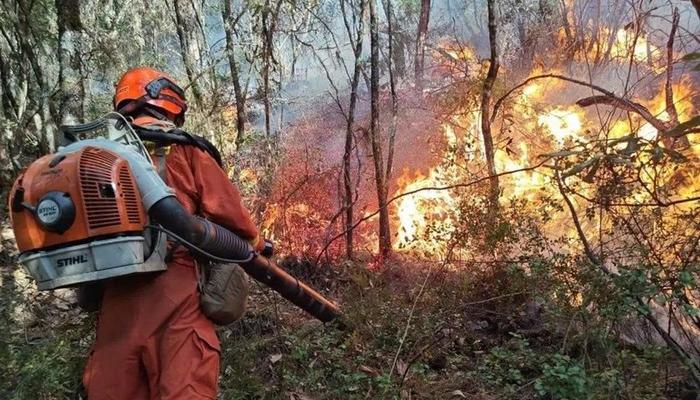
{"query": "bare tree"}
(486, 107)
(375, 134)
(420, 41)
(229, 26)
(348, 196)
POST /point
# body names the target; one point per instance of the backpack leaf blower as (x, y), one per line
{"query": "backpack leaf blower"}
(97, 209)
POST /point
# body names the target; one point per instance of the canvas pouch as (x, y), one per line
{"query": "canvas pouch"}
(224, 292)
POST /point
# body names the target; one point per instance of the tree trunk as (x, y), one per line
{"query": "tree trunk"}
(420, 41)
(681, 142)
(267, 45)
(384, 230)
(9, 104)
(399, 41)
(696, 4)
(233, 66)
(269, 23)
(486, 110)
(394, 99)
(670, 105)
(71, 88)
(30, 50)
(185, 21)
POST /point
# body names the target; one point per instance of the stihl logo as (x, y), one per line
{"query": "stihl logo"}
(64, 262)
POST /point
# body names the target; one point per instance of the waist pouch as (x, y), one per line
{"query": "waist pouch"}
(224, 292)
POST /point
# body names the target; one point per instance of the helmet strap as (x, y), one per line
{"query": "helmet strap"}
(141, 106)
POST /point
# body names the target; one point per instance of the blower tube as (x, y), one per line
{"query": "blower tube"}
(215, 240)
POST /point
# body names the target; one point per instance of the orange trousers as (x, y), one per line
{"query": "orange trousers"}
(152, 341)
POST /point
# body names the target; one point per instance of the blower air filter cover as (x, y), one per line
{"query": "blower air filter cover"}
(55, 211)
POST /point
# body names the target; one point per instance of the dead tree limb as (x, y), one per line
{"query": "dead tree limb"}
(635, 107)
(626, 105)
(670, 105)
(608, 98)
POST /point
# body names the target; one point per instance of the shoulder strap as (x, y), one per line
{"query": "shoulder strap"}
(159, 157)
(181, 137)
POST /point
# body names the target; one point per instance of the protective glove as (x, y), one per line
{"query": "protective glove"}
(269, 249)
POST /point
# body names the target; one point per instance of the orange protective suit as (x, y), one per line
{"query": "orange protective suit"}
(153, 342)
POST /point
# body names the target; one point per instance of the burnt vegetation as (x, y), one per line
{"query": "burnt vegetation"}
(501, 195)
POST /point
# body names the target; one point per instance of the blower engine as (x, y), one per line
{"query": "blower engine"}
(97, 209)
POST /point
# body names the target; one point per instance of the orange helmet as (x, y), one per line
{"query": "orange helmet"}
(143, 86)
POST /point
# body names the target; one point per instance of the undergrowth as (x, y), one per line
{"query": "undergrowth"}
(535, 327)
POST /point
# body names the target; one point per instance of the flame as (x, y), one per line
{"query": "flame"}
(625, 46)
(417, 211)
(562, 124)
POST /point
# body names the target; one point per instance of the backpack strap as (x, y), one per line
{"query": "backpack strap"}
(159, 156)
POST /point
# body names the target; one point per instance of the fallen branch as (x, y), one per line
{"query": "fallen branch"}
(627, 105)
(620, 101)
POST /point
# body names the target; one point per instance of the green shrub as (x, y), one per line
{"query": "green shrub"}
(563, 379)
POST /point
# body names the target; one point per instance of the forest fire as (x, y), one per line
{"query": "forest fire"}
(541, 117)
(424, 220)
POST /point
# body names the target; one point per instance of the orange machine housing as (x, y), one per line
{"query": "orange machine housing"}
(99, 183)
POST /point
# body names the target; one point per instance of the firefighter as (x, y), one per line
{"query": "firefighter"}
(153, 340)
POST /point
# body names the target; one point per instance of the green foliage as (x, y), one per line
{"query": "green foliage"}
(48, 368)
(508, 368)
(563, 379)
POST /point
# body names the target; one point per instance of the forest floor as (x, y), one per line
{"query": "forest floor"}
(276, 352)
(418, 331)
